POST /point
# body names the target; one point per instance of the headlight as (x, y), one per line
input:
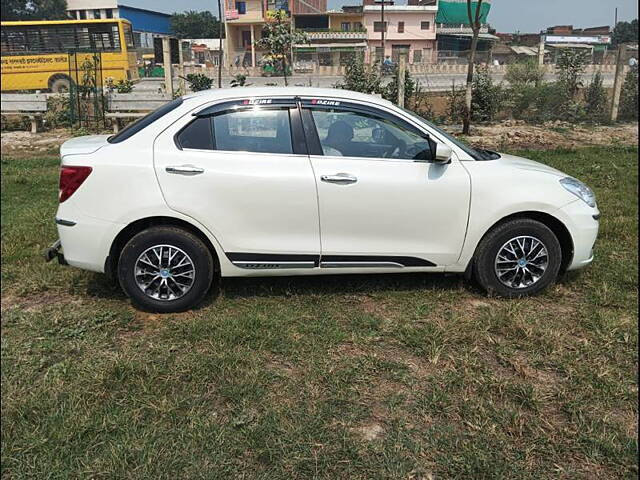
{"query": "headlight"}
(580, 190)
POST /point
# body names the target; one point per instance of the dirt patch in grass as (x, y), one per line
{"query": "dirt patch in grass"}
(514, 134)
(33, 303)
(21, 143)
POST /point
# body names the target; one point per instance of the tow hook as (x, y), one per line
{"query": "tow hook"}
(54, 252)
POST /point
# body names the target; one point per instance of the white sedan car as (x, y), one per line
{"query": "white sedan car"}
(304, 181)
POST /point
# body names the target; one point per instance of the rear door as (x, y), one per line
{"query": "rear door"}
(382, 202)
(242, 170)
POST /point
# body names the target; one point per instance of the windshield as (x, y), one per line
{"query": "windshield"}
(476, 154)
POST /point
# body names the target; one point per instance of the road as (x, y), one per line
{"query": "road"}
(431, 82)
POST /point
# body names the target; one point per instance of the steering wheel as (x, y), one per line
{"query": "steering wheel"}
(397, 150)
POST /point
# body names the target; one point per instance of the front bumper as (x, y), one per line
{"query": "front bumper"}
(583, 224)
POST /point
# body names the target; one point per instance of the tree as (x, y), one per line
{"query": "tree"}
(625, 32)
(34, 10)
(192, 24)
(474, 21)
(571, 64)
(278, 39)
(595, 97)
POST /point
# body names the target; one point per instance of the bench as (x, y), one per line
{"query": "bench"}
(32, 105)
(133, 105)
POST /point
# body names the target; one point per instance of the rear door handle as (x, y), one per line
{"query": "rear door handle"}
(185, 170)
(339, 178)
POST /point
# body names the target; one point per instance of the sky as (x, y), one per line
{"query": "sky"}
(526, 16)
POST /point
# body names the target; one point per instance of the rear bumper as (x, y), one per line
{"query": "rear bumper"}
(54, 251)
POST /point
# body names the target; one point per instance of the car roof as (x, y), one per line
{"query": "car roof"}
(222, 93)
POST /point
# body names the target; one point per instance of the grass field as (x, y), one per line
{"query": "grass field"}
(350, 377)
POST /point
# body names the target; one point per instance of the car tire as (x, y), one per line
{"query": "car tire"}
(179, 263)
(509, 263)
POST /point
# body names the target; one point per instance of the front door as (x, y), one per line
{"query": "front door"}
(381, 201)
(242, 171)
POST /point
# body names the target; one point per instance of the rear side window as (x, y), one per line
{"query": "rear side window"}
(197, 135)
(263, 131)
(133, 128)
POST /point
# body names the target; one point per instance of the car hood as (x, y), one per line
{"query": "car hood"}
(526, 164)
(83, 145)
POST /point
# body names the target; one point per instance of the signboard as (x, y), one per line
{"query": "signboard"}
(576, 39)
(231, 15)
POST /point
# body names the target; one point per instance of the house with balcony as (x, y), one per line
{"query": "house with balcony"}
(336, 38)
(455, 33)
(245, 19)
(408, 30)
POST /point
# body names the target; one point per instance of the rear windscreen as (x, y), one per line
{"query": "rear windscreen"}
(133, 128)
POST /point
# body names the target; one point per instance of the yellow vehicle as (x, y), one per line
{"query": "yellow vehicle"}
(37, 55)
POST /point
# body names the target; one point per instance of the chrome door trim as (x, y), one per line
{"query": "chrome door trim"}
(361, 265)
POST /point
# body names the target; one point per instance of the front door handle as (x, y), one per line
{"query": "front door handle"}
(339, 178)
(185, 170)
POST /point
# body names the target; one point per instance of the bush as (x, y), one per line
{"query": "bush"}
(527, 72)
(198, 82)
(362, 78)
(239, 80)
(487, 99)
(124, 86)
(629, 96)
(58, 112)
(595, 97)
(455, 104)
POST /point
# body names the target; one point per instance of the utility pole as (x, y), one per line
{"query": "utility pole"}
(382, 32)
(541, 51)
(615, 18)
(220, 45)
(401, 75)
(168, 70)
(619, 79)
(183, 86)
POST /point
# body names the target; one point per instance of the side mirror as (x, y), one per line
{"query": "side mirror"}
(443, 154)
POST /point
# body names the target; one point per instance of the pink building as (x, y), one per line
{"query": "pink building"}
(408, 30)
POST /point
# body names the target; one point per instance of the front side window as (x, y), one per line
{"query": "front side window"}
(425, 25)
(241, 7)
(400, 27)
(254, 130)
(357, 134)
(346, 26)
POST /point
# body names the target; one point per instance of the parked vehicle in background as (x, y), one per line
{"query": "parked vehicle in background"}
(305, 181)
(35, 54)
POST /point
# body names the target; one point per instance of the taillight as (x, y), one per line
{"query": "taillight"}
(70, 179)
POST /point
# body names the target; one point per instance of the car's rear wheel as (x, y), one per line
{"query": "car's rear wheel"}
(518, 258)
(165, 269)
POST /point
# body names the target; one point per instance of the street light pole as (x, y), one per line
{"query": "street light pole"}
(382, 32)
(220, 45)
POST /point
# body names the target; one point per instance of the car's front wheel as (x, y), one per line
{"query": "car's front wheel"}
(518, 258)
(165, 269)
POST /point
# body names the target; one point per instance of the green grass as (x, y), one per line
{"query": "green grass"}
(354, 377)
